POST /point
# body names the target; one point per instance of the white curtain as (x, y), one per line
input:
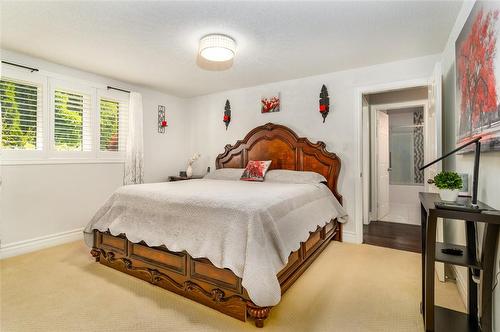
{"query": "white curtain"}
(134, 153)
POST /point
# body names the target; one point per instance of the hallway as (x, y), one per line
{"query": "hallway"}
(392, 235)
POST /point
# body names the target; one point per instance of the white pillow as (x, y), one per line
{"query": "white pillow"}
(288, 176)
(225, 174)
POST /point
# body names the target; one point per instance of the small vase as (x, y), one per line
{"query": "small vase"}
(448, 195)
(189, 171)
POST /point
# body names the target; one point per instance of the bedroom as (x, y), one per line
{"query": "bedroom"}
(92, 54)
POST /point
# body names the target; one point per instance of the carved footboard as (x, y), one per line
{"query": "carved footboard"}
(199, 279)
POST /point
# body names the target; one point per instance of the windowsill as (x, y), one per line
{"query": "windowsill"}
(59, 161)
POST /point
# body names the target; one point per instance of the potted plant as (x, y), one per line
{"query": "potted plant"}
(449, 184)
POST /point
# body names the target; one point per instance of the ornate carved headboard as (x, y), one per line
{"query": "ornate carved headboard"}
(286, 150)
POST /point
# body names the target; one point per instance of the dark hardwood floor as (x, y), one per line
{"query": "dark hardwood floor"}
(392, 235)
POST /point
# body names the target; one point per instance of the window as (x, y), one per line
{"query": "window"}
(113, 115)
(110, 124)
(52, 118)
(21, 114)
(71, 121)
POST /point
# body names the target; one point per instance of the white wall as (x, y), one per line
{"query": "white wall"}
(489, 181)
(49, 199)
(398, 96)
(299, 111)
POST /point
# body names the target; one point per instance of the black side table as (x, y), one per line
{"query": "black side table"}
(442, 319)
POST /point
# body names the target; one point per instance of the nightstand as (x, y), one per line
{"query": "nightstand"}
(182, 178)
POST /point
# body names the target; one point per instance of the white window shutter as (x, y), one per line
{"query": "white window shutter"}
(21, 115)
(72, 125)
(113, 125)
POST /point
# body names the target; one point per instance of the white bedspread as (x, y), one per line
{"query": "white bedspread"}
(248, 227)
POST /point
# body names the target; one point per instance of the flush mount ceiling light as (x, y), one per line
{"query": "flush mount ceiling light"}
(217, 47)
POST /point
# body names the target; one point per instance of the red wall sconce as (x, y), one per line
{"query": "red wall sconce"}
(227, 114)
(324, 102)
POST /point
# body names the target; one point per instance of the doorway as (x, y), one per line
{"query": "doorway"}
(399, 151)
(396, 95)
(396, 152)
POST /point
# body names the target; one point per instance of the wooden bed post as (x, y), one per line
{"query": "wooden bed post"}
(258, 314)
(338, 235)
(96, 253)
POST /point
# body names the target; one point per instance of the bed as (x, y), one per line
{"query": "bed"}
(216, 279)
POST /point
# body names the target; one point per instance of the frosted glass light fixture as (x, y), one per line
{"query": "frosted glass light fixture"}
(217, 47)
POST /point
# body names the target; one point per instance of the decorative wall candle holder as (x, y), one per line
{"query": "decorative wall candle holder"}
(324, 103)
(162, 120)
(227, 114)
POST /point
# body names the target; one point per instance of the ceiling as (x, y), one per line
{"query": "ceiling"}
(155, 44)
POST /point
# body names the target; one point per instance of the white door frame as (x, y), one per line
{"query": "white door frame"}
(373, 140)
(361, 182)
(382, 172)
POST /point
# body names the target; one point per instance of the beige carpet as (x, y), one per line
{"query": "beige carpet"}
(348, 288)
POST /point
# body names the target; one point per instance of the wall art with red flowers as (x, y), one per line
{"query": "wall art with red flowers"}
(162, 119)
(477, 61)
(270, 104)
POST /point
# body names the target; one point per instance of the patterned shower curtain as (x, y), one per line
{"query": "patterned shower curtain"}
(134, 153)
(418, 145)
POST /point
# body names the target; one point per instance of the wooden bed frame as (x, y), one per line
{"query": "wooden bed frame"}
(198, 279)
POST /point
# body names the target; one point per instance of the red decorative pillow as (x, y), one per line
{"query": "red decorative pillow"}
(255, 170)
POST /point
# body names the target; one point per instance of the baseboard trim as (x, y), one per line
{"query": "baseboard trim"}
(461, 285)
(350, 237)
(26, 246)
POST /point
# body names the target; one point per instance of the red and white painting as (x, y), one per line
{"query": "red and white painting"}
(478, 75)
(270, 104)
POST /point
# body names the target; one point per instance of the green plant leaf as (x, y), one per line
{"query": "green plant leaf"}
(448, 180)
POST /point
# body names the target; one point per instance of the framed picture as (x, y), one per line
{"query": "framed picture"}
(477, 61)
(270, 104)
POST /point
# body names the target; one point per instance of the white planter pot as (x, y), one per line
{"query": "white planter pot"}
(448, 195)
(189, 171)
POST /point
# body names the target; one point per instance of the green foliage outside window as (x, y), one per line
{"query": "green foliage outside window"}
(109, 125)
(68, 121)
(19, 115)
